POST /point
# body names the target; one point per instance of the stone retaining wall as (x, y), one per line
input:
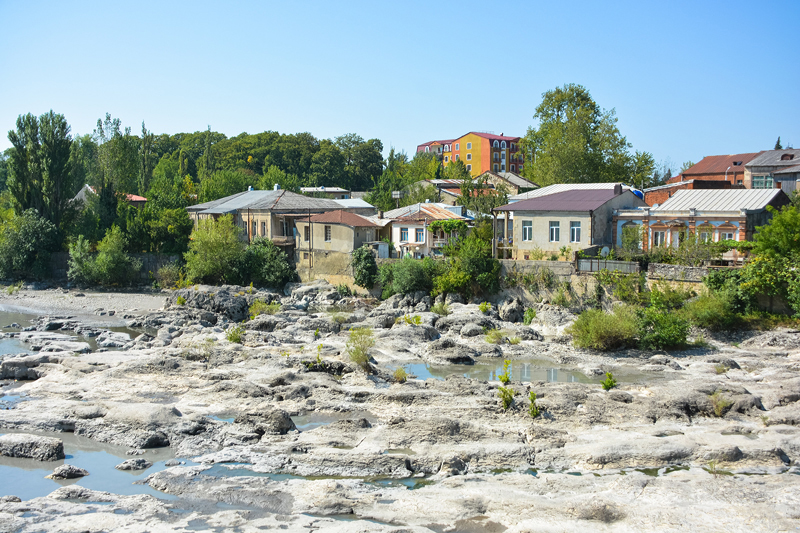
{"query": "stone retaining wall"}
(676, 272)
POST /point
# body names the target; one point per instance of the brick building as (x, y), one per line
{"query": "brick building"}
(658, 195)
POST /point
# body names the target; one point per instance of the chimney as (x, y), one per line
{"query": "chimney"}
(277, 187)
(249, 187)
(380, 215)
(617, 189)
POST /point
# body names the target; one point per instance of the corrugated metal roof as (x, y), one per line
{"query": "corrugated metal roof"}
(788, 170)
(718, 200)
(323, 189)
(342, 217)
(280, 200)
(575, 200)
(355, 203)
(422, 211)
(772, 158)
(718, 164)
(563, 187)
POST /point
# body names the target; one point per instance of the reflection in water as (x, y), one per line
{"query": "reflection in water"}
(488, 370)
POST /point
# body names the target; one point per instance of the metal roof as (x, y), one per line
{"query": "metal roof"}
(280, 200)
(788, 170)
(563, 187)
(422, 211)
(342, 217)
(772, 158)
(718, 164)
(355, 203)
(574, 200)
(323, 189)
(718, 200)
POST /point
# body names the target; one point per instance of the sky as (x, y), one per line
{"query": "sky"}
(686, 78)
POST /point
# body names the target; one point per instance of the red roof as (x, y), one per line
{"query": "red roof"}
(718, 164)
(343, 217)
(493, 137)
(135, 198)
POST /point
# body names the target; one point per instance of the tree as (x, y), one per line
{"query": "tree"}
(215, 251)
(118, 156)
(39, 167)
(576, 141)
(778, 145)
(781, 237)
(365, 269)
(643, 164)
(266, 265)
(327, 166)
(25, 245)
(479, 196)
(224, 183)
(3, 170)
(147, 160)
(686, 166)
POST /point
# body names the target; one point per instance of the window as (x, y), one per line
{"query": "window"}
(263, 229)
(495, 144)
(511, 146)
(307, 233)
(446, 158)
(253, 228)
(427, 148)
(574, 232)
(658, 238)
(503, 166)
(705, 236)
(469, 167)
(555, 231)
(469, 157)
(527, 230)
(762, 182)
(495, 167)
(512, 168)
(503, 156)
(457, 146)
(420, 235)
(404, 234)
(469, 146)
(503, 145)
(327, 234)
(496, 156)
(726, 236)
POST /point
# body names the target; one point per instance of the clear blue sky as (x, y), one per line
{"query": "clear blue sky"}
(687, 78)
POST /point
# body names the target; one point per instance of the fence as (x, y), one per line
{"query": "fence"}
(596, 265)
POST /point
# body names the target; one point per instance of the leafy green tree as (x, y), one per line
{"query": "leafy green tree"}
(39, 168)
(275, 176)
(686, 166)
(26, 242)
(147, 160)
(266, 265)
(576, 141)
(118, 156)
(480, 196)
(3, 170)
(327, 166)
(365, 269)
(215, 251)
(224, 183)
(643, 165)
(781, 237)
(113, 266)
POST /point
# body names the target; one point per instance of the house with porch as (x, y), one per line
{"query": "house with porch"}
(715, 215)
(410, 230)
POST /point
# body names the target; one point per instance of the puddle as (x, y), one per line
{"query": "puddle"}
(9, 401)
(399, 451)
(309, 421)
(26, 477)
(226, 419)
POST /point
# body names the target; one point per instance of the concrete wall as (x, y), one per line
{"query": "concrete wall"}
(559, 268)
(332, 266)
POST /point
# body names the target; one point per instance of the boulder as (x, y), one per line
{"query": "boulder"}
(134, 464)
(66, 471)
(471, 330)
(453, 298)
(457, 321)
(28, 446)
(275, 422)
(512, 310)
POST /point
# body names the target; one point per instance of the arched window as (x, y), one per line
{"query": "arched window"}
(427, 148)
(503, 144)
(495, 144)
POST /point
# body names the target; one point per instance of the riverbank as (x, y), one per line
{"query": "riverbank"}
(283, 430)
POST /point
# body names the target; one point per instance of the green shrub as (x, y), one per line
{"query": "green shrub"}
(343, 290)
(400, 375)
(565, 251)
(528, 317)
(358, 345)
(409, 275)
(665, 296)
(514, 340)
(453, 280)
(215, 251)
(235, 334)
(415, 320)
(561, 299)
(260, 307)
(608, 383)
(26, 242)
(365, 269)
(441, 309)
(712, 311)
(485, 307)
(661, 329)
(506, 396)
(533, 409)
(605, 331)
(495, 336)
(111, 265)
(337, 317)
(169, 275)
(180, 300)
(553, 257)
(720, 404)
(81, 261)
(265, 264)
(505, 377)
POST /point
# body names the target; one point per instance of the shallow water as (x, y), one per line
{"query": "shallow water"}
(309, 421)
(26, 477)
(489, 369)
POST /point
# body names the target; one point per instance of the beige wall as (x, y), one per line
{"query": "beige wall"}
(541, 231)
(343, 238)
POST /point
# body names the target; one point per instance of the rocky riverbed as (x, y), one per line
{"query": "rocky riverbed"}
(283, 431)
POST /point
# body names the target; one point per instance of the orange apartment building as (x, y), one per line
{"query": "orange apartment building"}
(480, 152)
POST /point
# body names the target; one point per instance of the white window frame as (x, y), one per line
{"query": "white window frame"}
(469, 146)
(495, 167)
(419, 235)
(555, 231)
(503, 145)
(658, 238)
(427, 148)
(574, 231)
(495, 144)
(469, 157)
(727, 235)
(527, 230)
(456, 157)
(457, 146)
(469, 167)
(446, 158)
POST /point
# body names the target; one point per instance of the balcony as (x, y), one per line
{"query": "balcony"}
(283, 241)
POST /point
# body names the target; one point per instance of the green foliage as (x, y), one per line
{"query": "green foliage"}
(528, 317)
(441, 309)
(720, 403)
(415, 320)
(533, 409)
(661, 329)
(608, 383)
(485, 307)
(721, 369)
(478, 195)
(265, 264)
(224, 183)
(452, 280)
(358, 345)
(553, 257)
(180, 300)
(81, 261)
(505, 377)
(365, 269)
(170, 275)
(343, 290)
(235, 334)
(113, 266)
(400, 375)
(565, 251)
(260, 307)
(561, 298)
(408, 275)
(779, 238)
(495, 336)
(472, 270)
(605, 331)
(215, 251)
(713, 311)
(25, 245)
(506, 396)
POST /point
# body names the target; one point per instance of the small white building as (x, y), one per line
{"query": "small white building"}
(411, 234)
